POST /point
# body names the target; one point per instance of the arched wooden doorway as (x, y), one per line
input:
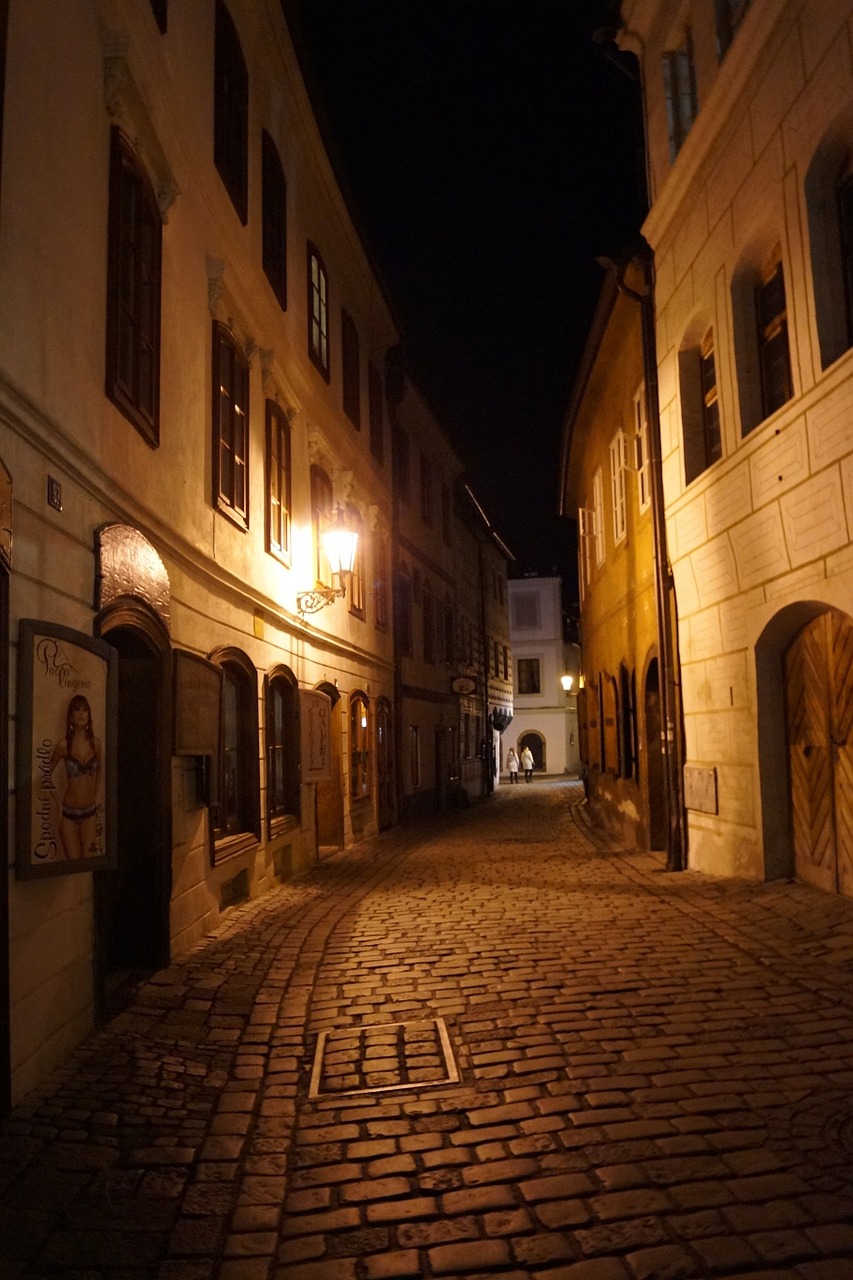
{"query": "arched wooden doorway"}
(655, 789)
(330, 795)
(132, 901)
(818, 667)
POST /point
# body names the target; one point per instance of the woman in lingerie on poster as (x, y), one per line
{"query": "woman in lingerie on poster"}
(80, 751)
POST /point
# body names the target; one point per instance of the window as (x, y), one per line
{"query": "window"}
(774, 358)
(400, 462)
(274, 215)
(133, 292)
(160, 9)
(404, 609)
(318, 312)
(429, 623)
(525, 611)
(729, 15)
(700, 408)
(627, 726)
(617, 485)
(374, 402)
(230, 427)
(356, 587)
(845, 220)
(505, 663)
(278, 482)
(235, 810)
(610, 725)
(282, 734)
(359, 726)
(380, 584)
(350, 364)
(231, 112)
(449, 631)
(446, 509)
(680, 89)
(426, 490)
(710, 401)
(321, 514)
(641, 427)
(598, 520)
(496, 652)
(528, 676)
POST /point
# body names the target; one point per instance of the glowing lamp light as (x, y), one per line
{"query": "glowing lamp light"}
(567, 682)
(340, 544)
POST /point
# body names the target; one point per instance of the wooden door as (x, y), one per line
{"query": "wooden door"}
(384, 765)
(819, 718)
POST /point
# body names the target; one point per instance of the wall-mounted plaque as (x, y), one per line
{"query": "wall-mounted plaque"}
(198, 695)
(463, 684)
(700, 789)
(65, 766)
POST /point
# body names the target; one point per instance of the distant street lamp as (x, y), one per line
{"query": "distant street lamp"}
(340, 544)
(567, 682)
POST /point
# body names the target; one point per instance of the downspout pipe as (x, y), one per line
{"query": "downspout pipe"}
(676, 849)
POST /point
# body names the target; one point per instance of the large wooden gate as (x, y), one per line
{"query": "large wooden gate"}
(819, 714)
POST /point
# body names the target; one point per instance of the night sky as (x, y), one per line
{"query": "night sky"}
(488, 152)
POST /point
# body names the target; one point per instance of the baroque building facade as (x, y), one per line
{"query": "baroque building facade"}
(193, 390)
(749, 137)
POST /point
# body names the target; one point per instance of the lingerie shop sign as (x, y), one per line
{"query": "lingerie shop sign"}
(65, 765)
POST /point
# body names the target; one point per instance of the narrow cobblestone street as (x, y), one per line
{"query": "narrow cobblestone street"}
(594, 1070)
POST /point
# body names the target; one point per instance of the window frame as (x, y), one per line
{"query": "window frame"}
(231, 111)
(243, 829)
(359, 748)
(322, 503)
(278, 482)
(533, 667)
(236, 393)
(319, 345)
(644, 473)
(350, 369)
(380, 582)
(772, 328)
(427, 482)
(133, 274)
(679, 79)
(282, 750)
(617, 488)
(356, 591)
(273, 219)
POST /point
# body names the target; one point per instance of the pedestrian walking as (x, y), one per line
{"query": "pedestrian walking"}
(527, 763)
(512, 765)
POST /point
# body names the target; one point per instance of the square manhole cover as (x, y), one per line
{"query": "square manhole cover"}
(387, 1055)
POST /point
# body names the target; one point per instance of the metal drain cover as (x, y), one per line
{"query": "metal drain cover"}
(381, 1057)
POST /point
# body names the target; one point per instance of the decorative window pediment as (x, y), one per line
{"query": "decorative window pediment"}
(127, 107)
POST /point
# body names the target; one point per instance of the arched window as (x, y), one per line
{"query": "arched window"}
(281, 704)
(359, 747)
(700, 405)
(828, 190)
(235, 807)
(760, 314)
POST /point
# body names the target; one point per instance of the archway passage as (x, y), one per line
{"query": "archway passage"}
(132, 901)
(330, 794)
(654, 760)
(536, 743)
(819, 726)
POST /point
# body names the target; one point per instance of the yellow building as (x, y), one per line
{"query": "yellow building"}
(606, 488)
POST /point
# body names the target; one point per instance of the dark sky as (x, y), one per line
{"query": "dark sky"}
(488, 150)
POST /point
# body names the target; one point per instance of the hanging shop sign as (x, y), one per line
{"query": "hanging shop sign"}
(315, 715)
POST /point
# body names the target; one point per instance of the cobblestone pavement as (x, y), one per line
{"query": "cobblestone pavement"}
(655, 1078)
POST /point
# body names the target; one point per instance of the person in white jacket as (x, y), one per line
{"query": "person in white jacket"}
(527, 763)
(512, 765)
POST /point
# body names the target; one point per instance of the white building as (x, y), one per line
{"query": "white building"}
(749, 111)
(544, 710)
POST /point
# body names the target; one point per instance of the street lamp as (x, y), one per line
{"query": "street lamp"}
(340, 544)
(567, 682)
